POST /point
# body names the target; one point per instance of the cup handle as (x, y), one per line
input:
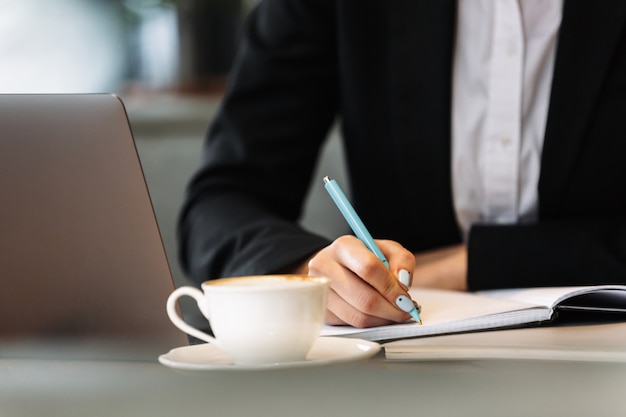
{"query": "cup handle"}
(172, 312)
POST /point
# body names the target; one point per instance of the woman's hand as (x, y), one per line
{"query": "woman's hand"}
(363, 291)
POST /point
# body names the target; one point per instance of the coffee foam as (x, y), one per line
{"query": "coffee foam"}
(266, 282)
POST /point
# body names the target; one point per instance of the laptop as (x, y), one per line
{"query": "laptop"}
(81, 256)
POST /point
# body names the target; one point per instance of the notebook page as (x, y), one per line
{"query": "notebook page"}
(451, 311)
(548, 296)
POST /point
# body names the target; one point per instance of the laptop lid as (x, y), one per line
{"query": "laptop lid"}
(80, 250)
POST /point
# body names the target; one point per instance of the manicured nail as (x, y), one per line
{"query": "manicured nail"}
(407, 305)
(404, 277)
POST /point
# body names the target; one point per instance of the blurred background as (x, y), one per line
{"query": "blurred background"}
(117, 45)
(168, 60)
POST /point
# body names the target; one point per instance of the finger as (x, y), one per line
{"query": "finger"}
(332, 319)
(372, 271)
(354, 300)
(363, 299)
(402, 261)
(342, 312)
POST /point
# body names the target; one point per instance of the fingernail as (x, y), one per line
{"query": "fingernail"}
(405, 303)
(404, 277)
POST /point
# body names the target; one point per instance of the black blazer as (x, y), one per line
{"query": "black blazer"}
(384, 69)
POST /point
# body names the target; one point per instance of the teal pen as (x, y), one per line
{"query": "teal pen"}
(361, 232)
(353, 219)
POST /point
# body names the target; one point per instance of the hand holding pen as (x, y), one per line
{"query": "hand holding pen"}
(369, 288)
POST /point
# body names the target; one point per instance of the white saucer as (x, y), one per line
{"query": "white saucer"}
(326, 350)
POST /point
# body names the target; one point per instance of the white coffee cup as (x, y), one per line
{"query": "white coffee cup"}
(258, 319)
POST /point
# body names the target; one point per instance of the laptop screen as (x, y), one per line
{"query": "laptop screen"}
(80, 250)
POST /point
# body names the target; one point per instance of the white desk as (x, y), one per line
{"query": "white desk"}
(31, 386)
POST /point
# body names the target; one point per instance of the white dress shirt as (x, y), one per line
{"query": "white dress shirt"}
(503, 64)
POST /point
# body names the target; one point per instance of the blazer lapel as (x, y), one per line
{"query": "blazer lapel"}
(588, 36)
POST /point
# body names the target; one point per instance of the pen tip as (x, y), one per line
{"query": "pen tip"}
(326, 179)
(416, 316)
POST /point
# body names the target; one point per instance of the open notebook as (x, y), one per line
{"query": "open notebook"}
(445, 312)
